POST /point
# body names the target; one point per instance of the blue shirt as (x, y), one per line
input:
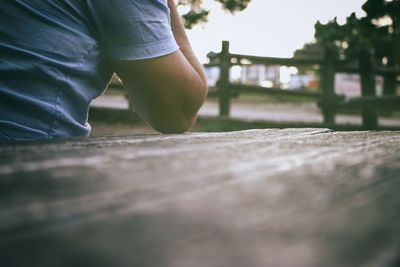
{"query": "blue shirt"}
(55, 58)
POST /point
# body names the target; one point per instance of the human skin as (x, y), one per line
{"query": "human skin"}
(183, 41)
(166, 91)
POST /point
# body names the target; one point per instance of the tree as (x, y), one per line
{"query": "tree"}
(198, 14)
(379, 30)
(389, 10)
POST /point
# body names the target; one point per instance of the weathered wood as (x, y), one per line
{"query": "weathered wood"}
(237, 60)
(328, 86)
(348, 67)
(388, 71)
(274, 60)
(223, 82)
(291, 197)
(330, 65)
(383, 102)
(367, 74)
(273, 91)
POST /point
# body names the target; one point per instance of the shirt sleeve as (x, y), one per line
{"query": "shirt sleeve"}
(133, 29)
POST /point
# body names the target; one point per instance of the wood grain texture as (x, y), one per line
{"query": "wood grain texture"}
(290, 197)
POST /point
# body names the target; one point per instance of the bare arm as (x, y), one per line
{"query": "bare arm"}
(182, 40)
(166, 91)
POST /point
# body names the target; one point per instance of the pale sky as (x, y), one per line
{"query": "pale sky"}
(268, 27)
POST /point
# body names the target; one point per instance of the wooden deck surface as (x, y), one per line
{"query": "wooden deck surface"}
(290, 197)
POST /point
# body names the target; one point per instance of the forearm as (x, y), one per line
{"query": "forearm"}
(183, 41)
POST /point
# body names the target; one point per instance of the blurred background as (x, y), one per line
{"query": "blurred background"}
(288, 63)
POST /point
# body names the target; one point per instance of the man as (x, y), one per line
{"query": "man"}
(58, 55)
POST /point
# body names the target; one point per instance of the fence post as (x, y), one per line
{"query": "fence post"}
(389, 84)
(367, 76)
(223, 83)
(328, 86)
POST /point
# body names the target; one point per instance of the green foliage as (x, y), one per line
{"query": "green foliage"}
(380, 8)
(197, 14)
(369, 31)
(234, 5)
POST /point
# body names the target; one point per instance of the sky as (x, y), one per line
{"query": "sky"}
(267, 27)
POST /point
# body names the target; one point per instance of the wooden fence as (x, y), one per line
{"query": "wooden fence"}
(329, 102)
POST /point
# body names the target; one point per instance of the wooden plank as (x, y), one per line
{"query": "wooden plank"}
(367, 75)
(328, 86)
(388, 71)
(237, 58)
(382, 102)
(223, 82)
(273, 91)
(290, 197)
(345, 66)
(274, 60)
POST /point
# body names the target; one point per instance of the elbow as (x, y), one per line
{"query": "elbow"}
(183, 117)
(173, 124)
(180, 114)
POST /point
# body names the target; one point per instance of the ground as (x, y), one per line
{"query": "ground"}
(268, 112)
(256, 198)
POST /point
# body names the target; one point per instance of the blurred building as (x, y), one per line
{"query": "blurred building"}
(349, 85)
(288, 78)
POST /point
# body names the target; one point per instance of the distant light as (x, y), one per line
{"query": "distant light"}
(383, 22)
(385, 61)
(293, 70)
(267, 84)
(236, 72)
(244, 61)
(284, 75)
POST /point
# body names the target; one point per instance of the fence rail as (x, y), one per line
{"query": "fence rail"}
(328, 65)
(239, 88)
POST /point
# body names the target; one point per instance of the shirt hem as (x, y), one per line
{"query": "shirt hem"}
(144, 51)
